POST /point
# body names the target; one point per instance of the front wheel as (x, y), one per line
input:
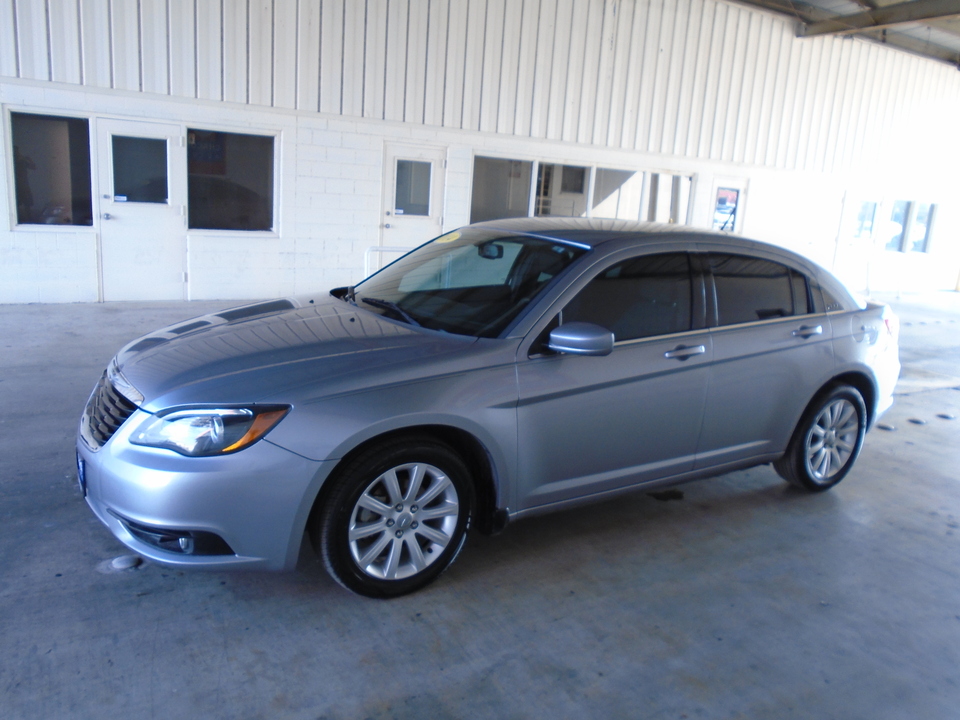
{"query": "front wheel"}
(827, 441)
(395, 518)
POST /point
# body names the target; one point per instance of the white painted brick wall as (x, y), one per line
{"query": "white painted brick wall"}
(330, 180)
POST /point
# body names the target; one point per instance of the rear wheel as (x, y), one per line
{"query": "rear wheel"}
(395, 518)
(827, 441)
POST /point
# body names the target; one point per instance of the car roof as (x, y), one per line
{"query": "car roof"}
(592, 232)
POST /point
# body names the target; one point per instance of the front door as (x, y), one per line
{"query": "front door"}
(589, 425)
(412, 199)
(142, 183)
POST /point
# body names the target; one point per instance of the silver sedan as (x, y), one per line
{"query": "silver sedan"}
(508, 368)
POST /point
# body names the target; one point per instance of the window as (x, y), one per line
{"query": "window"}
(638, 298)
(897, 226)
(725, 212)
(669, 198)
(868, 211)
(501, 189)
(910, 226)
(919, 230)
(413, 188)
(139, 169)
(230, 183)
(750, 289)
(51, 166)
(618, 194)
(469, 282)
(561, 191)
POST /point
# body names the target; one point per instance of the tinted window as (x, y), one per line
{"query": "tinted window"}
(231, 180)
(640, 297)
(139, 169)
(51, 166)
(413, 188)
(751, 289)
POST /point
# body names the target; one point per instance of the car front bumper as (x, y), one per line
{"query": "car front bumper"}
(247, 509)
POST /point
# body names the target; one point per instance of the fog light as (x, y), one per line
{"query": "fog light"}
(181, 542)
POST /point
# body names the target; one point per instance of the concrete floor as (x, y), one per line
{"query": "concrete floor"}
(745, 599)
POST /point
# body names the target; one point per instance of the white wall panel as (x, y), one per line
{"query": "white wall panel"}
(748, 112)
(696, 78)
(33, 42)
(65, 43)
(182, 47)
(260, 52)
(418, 18)
(542, 66)
(375, 58)
(673, 88)
(125, 44)
(454, 64)
(234, 53)
(436, 62)
(8, 39)
(308, 55)
(154, 61)
(509, 77)
(209, 50)
(521, 100)
(622, 35)
(474, 38)
(585, 99)
(396, 59)
(285, 54)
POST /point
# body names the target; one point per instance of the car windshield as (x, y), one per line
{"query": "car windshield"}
(468, 282)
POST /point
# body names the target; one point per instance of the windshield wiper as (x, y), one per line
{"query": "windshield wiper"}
(387, 305)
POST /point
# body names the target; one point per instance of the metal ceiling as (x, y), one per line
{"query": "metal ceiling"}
(930, 28)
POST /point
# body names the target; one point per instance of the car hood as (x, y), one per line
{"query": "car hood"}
(278, 351)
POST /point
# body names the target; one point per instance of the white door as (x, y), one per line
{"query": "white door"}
(142, 182)
(412, 199)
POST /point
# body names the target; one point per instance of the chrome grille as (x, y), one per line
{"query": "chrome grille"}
(106, 411)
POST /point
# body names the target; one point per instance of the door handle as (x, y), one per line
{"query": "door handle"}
(107, 216)
(682, 352)
(806, 331)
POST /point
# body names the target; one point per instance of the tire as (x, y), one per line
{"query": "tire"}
(395, 517)
(827, 440)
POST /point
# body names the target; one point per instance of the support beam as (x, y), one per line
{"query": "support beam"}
(906, 12)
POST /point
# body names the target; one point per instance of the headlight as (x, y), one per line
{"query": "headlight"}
(199, 432)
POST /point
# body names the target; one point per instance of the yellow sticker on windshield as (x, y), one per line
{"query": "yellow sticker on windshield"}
(449, 237)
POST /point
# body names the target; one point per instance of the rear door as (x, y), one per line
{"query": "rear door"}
(770, 354)
(593, 424)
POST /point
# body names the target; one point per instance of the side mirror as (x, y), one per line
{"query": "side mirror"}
(581, 338)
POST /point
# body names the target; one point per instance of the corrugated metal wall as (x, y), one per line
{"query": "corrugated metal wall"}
(695, 78)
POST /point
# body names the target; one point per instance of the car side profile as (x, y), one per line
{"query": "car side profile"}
(505, 369)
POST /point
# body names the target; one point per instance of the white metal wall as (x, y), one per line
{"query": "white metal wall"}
(694, 78)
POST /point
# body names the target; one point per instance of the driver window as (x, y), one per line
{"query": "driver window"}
(637, 298)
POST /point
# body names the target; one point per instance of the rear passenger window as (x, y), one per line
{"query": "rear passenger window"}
(751, 289)
(637, 298)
